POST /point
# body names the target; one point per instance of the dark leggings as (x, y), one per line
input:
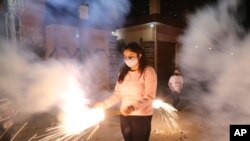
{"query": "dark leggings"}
(135, 128)
(176, 99)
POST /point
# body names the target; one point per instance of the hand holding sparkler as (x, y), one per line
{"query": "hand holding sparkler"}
(100, 105)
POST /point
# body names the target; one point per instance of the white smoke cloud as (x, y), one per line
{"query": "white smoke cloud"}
(215, 59)
(35, 85)
(110, 13)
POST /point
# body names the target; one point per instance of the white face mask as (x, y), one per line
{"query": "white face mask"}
(131, 62)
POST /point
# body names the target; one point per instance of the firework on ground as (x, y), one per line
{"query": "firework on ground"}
(6, 110)
(167, 114)
(56, 133)
(7, 113)
(76, 118)
(73, 128)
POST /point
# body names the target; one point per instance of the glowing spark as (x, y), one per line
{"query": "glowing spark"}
(76, 115)
(4, 133)
(168, 114)
(56, 134)
(76, 118)
(157, 103)
(74, 124)
(93, 132)
(32, 137)
(19, 131)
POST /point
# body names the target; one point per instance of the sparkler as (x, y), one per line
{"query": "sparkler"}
(76, 119)
(73, 127)
(19, 131)
(57, 133)
(167, 114)
(77, 116)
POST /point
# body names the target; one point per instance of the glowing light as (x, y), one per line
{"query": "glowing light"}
(113, 33)
(76, 116)
(77, 123)
(165, 106)
(196, 46)
(157, 103)
(152, 25)
(232, 53)
(168, 116)
(77, 35)
(210, 48)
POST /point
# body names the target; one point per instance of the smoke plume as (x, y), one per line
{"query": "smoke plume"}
(214, 58)
(34, 85)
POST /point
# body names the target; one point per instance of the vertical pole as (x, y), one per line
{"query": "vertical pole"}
(83, 15)
(6, 18)
(154, 6)
(11, 26)
(155, 48)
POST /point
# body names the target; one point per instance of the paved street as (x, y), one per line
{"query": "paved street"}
(187, 127)
(109, 129)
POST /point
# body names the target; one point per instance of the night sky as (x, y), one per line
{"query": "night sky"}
(172, 8)
(177, 10)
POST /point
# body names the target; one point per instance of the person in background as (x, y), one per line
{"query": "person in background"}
(175, 84)
(136, 90)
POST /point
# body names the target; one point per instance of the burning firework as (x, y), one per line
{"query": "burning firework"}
(7, 113)
(76, 118)
(73, 126)
(167, 114)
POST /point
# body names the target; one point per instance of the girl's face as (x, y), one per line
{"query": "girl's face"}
(130, 58)
(128, 54)
(177, 72)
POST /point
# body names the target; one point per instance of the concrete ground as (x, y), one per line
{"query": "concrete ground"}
(109, 129)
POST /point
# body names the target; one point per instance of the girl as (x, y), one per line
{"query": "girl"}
(136, 89)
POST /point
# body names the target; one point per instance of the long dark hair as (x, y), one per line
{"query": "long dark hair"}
(134, 47)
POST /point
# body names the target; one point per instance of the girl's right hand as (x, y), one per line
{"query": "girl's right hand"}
(129, 109)
(99, 105)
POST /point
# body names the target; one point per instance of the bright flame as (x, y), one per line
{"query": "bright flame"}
(165, 106)
(157, 103)
(77, 116)
(167, 115)
(78, 122)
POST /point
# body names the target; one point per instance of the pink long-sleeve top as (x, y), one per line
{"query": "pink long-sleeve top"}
(137, 90)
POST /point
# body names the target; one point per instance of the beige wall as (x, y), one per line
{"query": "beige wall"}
(31, 24)
(62, 41)
(147, 33)
(135, 33)
(95, 46)
(94, 39)
(167, 33)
